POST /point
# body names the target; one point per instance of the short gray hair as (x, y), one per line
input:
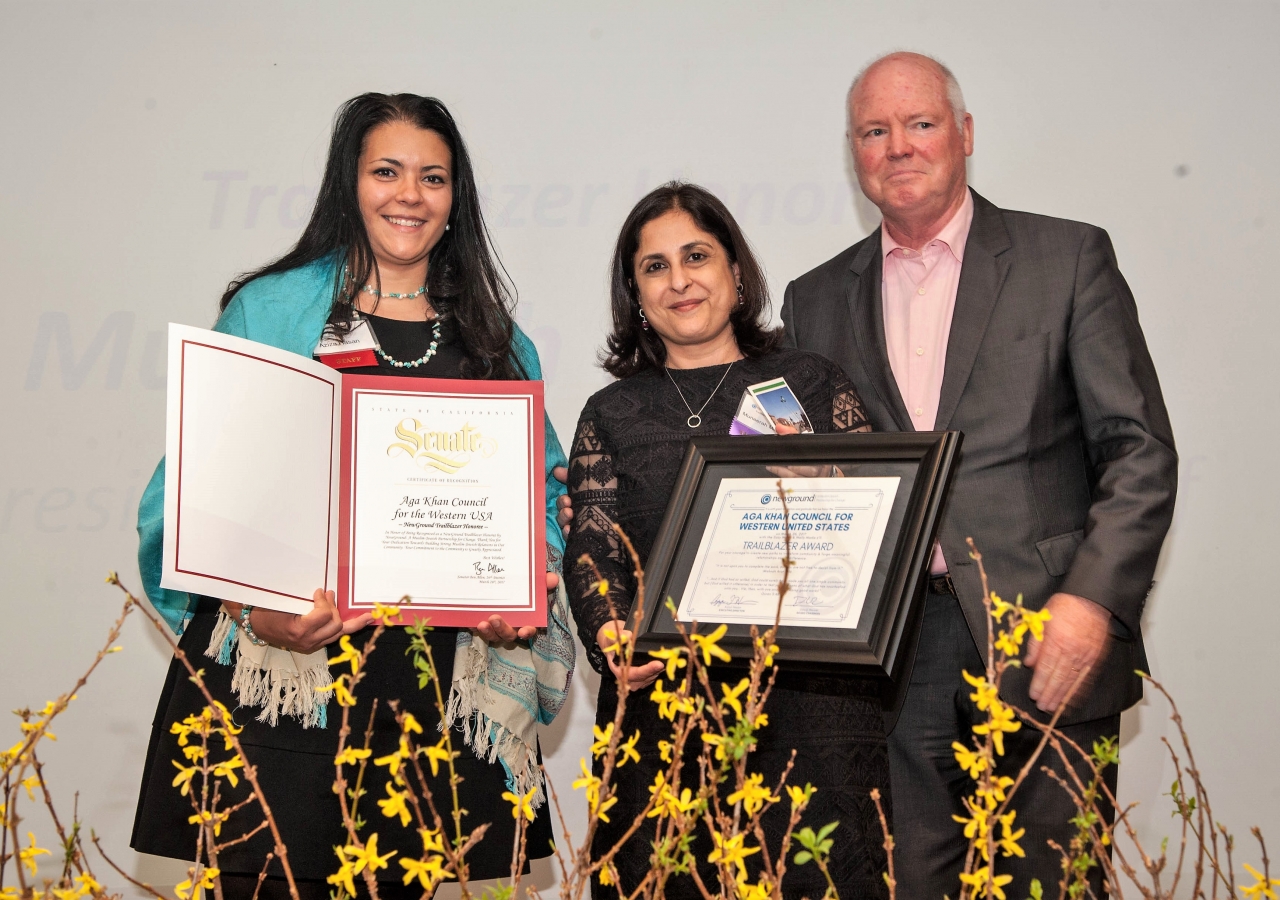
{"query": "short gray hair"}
(955, 97)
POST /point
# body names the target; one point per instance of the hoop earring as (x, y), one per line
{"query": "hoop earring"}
(644, 323)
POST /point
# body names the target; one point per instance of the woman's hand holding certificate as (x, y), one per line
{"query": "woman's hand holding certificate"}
(304, 633)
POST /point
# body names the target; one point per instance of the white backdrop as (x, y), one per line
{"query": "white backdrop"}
(151, 151)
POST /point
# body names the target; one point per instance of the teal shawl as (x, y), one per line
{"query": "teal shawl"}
(498, 695)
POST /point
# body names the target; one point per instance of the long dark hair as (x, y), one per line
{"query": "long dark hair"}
(632, 348)
(464, 279)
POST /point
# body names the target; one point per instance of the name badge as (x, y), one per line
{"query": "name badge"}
(345, 351)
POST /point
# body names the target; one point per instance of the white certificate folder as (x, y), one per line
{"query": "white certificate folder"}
(283, 476)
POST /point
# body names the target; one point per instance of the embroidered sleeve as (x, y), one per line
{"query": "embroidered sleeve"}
(593, 487)
(847, 411)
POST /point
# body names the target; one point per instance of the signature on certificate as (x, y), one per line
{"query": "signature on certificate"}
(729, 602)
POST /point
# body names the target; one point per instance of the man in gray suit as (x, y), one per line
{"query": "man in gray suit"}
(1019, 331)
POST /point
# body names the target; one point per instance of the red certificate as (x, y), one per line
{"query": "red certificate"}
(443, 509)
(285, 475)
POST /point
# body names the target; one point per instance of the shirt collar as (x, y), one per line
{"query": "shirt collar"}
(953, 235)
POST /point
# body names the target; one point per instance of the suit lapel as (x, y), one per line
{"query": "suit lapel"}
(982, 275)
(868, 328)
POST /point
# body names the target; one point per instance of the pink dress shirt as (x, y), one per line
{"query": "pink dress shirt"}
(918, 292)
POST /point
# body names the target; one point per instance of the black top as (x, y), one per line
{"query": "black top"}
(626, 455)
(295, 765)
(407, 341)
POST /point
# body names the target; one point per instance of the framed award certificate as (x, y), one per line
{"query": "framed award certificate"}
(862, 511)
(284, 475)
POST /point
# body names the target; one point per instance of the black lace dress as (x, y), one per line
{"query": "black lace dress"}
(626, 454)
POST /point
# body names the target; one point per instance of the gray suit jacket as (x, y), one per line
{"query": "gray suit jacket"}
(1068, 472)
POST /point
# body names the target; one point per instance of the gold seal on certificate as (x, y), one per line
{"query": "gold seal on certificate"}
(836, 525)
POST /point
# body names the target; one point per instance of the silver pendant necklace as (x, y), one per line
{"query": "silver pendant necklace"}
(695, 418)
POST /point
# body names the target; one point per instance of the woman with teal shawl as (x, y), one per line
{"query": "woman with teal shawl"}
(397, 239)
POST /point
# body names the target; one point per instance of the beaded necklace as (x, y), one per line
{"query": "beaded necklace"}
(421, 360)
(435, 327)
(370, 289)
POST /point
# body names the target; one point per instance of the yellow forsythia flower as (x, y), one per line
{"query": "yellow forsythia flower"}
(731, 851)
(349, 654)
(340, 691)
(385, 615)
(89, 884)
(761, 891)
(985, 694)
(189, 889)
(1263, 886)
(30, 784)
(521, 805)
(602, 738)
(976, 826)
(983, 881)
(429, 872)
(437, 754)
(999, 608)
(395, 805)
(28, 856)
(1009, 838)
(351, 755)
(589, 782)
(206, 817)
(769, 652)
(670, 703)
(676, 807)
(1035, 621)
(1000, 719)
(731, 695)
(395, 761)
(604, 808)
(344, 877)
(367, 857)
(674, 658)
(800, 795)
(972, 761)
(627, 749)
(1010, 644)
(226, 769)
(753, 794)
(709, 645)
(184, 776)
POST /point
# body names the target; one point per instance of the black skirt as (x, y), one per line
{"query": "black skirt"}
(296, 769)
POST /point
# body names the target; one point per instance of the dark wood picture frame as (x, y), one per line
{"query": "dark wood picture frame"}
(890, 618)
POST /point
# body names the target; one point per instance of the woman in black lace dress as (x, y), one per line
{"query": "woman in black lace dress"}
(690, 305)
